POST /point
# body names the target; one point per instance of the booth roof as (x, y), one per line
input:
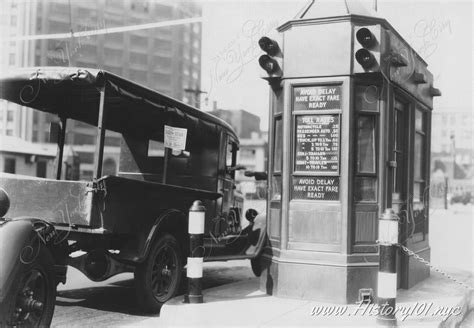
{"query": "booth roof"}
(335, 8)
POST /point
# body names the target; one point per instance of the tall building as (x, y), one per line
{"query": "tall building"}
(167, 59)
(452, 144)
(451, 129)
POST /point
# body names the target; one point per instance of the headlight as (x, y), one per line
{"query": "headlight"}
(4, 202)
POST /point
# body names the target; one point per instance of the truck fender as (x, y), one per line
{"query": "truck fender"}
(257, 232)
(172, 221)
(19, 245)
(260, 223)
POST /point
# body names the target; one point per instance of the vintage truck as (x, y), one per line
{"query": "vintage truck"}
(133, 219)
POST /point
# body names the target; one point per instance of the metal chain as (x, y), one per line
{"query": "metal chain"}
(409, 252)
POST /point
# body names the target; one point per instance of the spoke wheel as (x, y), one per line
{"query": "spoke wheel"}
(158, 278)
(30, 300)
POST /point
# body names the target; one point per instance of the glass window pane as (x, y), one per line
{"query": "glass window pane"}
(278, 101)
(397, 181)
(229, 155)
(367, 97)
(365, 189)
(276, 188)
(278, 145)
(417, 192)
(366, 144)
(156, 148)
(419, 120)
(399, 129)
(419, 150)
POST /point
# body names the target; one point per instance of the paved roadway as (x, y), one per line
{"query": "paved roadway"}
(112, 303)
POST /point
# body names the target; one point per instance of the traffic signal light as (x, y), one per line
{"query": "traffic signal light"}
(272, 61)
(367, 49)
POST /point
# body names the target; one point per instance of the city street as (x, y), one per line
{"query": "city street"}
(326, 145)
(84, 303)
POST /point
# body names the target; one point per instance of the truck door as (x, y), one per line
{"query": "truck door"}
(228, 185)
(226, 236)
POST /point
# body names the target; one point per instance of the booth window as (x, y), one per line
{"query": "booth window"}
(419, 155)
(367, 105)
(366, 144)
(277, 158)
(366, 179)
(278, 145)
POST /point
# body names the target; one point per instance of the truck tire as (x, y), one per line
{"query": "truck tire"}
(30, 300)
(158, 278)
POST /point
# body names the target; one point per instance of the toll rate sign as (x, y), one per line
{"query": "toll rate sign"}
(317, 143)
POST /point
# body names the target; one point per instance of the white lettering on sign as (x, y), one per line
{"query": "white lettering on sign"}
(317, 97)
(175, 138)
(317, 188)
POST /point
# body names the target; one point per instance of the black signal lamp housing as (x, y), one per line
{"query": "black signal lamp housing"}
(366, 38)
(269, 46)
(365, 58)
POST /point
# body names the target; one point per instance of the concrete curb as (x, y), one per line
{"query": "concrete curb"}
(243, 304)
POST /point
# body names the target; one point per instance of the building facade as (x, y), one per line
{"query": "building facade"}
(167, 59)
(452, 129)
(452, 144)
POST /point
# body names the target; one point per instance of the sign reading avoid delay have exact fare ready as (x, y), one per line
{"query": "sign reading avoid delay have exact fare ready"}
(317, 97)
(316, 188)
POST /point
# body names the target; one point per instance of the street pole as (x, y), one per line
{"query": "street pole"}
(387, 276)
(197, 214)
(196, 92)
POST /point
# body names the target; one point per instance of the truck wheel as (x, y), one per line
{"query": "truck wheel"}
(30, 300)
(158, 278)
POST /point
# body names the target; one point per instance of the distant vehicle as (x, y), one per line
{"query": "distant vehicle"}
(135, 220)
(461, 197)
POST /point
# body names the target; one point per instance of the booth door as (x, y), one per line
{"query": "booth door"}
(398, 173)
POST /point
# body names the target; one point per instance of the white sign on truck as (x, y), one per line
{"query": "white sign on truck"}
(175, 138)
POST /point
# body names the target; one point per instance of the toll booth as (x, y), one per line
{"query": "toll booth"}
(349, 136)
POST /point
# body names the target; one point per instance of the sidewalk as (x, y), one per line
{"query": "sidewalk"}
(243, 304)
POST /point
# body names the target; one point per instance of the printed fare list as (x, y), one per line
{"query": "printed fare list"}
(317, 143)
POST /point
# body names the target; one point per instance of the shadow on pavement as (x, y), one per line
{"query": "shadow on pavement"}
(116, 297)
(119, 296)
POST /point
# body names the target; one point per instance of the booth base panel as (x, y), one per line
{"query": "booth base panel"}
(317, 282)
(417, 271)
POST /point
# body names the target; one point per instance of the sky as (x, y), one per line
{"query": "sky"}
(440, 31)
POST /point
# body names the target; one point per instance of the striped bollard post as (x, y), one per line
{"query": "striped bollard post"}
(197, 214)
(387, 275)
